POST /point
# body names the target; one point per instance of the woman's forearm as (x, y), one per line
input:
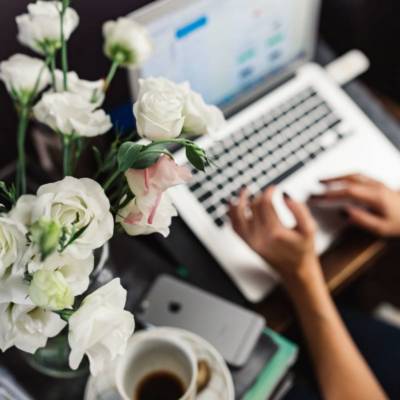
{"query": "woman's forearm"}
(342, 372)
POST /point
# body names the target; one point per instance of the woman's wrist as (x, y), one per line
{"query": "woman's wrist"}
(304, 277)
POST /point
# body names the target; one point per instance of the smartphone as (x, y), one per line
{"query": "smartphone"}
(232, 330)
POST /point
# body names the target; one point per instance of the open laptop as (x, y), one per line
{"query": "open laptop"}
(289, 124)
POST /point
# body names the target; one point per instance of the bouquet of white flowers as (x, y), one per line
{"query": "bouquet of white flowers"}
(47, 239)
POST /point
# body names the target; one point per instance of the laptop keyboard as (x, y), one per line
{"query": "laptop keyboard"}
(267, 151)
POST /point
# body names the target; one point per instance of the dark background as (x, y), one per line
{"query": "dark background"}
(370, 25)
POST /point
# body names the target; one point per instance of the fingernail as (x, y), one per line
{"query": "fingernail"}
(316, 197)
(344, 214)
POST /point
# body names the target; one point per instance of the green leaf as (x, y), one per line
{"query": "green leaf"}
(74, 236)
(150, 155)
(8, 194)
(97, 156)
(128, 153)
(146, 160)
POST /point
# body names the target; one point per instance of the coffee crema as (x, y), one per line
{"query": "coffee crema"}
(160, 385)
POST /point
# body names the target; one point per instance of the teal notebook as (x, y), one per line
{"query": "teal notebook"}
(276, 369)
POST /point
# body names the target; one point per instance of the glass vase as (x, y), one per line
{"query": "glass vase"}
(52, 360)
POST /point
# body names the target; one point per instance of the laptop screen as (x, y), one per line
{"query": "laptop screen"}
(226, 48)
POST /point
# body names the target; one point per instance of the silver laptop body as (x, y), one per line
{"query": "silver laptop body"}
(289, 123)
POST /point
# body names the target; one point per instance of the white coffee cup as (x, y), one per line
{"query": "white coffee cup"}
(150, 352)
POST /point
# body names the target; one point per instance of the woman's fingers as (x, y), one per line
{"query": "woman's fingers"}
(238, 213)
(355, 191)
(302, 214)
(366, 220)
(351, 178)
(266, 209)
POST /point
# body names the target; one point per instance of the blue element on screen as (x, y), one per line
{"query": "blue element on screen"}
(122, 118)
(190, 28)
(245, 73)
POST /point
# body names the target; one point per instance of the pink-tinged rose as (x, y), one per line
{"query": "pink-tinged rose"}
(151, 211)
(158, 178)
(144, 216)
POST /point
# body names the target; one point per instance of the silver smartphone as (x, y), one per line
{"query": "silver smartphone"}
(232, 330)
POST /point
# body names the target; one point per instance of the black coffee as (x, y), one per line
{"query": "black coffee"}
(160, 385)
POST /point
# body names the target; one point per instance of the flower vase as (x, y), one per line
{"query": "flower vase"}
(52, 360)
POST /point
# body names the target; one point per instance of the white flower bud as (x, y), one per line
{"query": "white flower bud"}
(49, 290)
(70, 113)
(40, 28)
(22, 75)
(126, 42)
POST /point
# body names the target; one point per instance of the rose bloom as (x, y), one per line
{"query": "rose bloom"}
(69, 114)
(165, 109)
(159, 109)
(165, 173)
(75, 271)
(27, 327)
(75, 204)
(12, 243)
(100, 328)
(40, 28)
(201, 118)
(150, 211)
(142, 216)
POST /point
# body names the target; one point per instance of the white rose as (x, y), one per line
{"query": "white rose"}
(40, 28)
(50, 290)
(78, 205)
(27, 327)
(70, 113)
(12, 243)
(161, 83)
(100, 328)
(22, 210)
(200, 118)
(159, 109)
(23, 74)
(91, 91)
(75, 271)
(142, 217)
(14, 288)
(126, 42)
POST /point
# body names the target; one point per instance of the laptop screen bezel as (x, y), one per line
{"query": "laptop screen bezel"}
(159, 8)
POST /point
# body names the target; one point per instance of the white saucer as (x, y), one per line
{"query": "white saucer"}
(102, 387)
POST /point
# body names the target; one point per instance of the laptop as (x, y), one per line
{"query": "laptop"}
(289, 124)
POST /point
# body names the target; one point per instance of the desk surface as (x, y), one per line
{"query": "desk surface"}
(140, 260)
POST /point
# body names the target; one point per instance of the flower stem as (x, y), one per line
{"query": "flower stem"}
(64, 55)
(37, 83)
(52, 58)
(67, 155)
(21, 135)
(110, 76)
(111, 179)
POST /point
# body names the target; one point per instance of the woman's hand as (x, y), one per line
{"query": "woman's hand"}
(290, 252)
(372, 205)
